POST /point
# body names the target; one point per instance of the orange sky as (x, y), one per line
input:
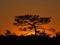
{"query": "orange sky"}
(44, 8)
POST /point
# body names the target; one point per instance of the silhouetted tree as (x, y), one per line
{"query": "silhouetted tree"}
(8, 32)
(31, 20)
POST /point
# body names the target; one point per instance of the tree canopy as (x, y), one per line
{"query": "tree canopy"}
(31, 20)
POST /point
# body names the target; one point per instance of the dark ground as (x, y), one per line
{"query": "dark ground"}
(29, 40)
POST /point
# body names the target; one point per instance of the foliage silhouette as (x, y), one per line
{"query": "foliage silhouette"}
(31, 20)
(8, 32)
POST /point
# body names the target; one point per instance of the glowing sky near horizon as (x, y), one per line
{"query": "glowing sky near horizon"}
(11, 8)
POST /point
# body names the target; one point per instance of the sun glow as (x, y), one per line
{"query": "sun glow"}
(20, 30)
(32, 32)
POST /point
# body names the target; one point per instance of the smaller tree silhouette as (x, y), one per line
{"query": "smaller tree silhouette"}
(31, 20)
(8, 32)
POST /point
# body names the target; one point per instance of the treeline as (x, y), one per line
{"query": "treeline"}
(29, 40)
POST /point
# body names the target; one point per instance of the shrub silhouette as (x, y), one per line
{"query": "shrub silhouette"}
(8, 32)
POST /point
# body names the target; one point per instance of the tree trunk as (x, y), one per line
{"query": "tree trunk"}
(35, 29)
(33, 25)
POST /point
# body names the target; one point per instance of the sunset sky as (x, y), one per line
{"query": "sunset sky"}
(11, 8)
